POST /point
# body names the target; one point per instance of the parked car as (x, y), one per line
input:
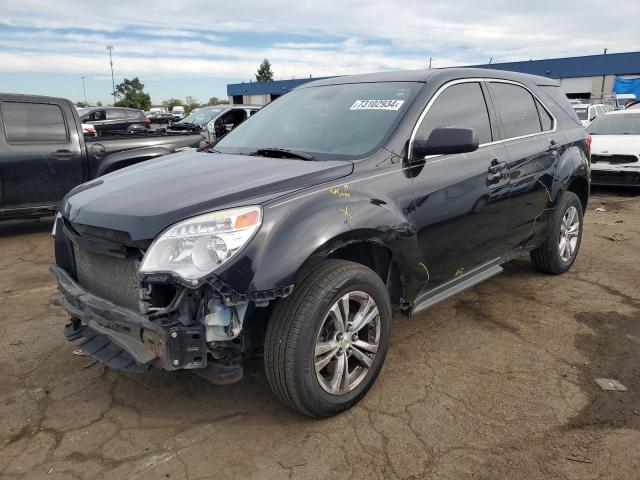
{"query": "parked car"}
(616, 148)
(177, 112)
(44, 153)
(633, 106)
(109, 119)
(588, 113)
(160, 117)
(216, 121)
(299, 231)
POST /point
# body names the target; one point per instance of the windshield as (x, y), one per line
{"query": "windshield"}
(331, 122)
(616, 124)
(581, 112)
(201, 116)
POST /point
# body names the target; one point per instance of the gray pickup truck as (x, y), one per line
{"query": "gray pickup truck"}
(44, 154)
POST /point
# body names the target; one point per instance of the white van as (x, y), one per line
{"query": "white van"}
(177, 112)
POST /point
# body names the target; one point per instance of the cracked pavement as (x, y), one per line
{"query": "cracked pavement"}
(494, 383)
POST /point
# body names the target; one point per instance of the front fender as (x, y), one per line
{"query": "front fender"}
(312, 226)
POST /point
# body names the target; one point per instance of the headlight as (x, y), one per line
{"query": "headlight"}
(196, 247)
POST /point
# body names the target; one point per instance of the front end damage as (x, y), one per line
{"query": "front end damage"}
(132, 323)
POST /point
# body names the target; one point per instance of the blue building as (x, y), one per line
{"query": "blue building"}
(590, 78)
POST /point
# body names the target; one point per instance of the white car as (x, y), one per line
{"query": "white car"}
(177, 112)
(588, 113)
(615, 148)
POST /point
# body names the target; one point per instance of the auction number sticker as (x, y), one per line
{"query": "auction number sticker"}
(377, 105)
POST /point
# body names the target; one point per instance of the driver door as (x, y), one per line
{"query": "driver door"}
(461, 199)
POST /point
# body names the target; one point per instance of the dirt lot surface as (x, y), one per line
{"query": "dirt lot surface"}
(496, 383)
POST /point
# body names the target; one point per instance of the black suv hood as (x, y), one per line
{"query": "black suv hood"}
(186, 126)
(146, 198)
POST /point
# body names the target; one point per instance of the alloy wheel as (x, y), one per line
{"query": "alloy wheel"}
(569, 231)
(347, 343)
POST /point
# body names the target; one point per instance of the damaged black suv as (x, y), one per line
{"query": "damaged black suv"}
(296, 235)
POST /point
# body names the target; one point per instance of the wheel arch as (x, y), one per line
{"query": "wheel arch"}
(580, 186)
(371, 253)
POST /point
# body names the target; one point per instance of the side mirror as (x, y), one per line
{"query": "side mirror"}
(446, 141)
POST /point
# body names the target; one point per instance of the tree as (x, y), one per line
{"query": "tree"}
(172, 102)
(81, 104)
(132, 95)
(98, 103)
(264, 74)
(217, 101)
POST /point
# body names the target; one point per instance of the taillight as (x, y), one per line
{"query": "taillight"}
(147, 122)
(589, 142)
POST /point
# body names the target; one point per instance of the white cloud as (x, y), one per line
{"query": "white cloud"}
(193, 36)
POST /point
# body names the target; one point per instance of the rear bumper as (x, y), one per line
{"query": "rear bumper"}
(124, 339)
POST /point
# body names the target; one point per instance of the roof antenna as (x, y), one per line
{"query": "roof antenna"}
(430, 63)
(490, 60)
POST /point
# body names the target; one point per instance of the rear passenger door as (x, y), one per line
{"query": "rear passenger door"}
(41, 153)
(528, 131)
(461, 199)
(116, 119)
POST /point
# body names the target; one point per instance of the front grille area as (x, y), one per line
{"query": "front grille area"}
(614, 178)
(112, 278)
(614, 158)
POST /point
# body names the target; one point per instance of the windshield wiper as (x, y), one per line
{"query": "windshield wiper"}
(282, 153)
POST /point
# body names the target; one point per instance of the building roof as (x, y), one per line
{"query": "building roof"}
(569, 67)
(263, 88)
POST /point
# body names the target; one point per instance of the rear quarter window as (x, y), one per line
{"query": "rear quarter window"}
(560, 99)
(33, 122)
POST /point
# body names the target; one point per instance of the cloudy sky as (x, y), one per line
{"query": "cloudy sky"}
(196, 47)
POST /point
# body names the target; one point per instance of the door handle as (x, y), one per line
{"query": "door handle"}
(62, 154)
(553, 146)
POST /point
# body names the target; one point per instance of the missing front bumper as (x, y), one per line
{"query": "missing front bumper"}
(124, 339)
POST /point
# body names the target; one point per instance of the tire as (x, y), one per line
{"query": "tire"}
(549, 258)
(308, 317)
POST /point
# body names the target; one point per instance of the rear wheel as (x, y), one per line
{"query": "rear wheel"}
(560, 247)
(327, 341)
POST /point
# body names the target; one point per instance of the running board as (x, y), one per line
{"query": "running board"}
(447, 290)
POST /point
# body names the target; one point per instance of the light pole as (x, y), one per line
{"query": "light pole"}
(84, 90)
(113, 83)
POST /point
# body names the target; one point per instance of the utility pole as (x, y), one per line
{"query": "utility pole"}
(84, 90)
(602, 85)
(113, 83)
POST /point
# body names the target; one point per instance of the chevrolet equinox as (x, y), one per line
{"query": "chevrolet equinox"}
(296, 235)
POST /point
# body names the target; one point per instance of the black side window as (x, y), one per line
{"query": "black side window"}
(517, 109)
(97, 116)
(461, 106)
(545, 119)
(115, 114)
(33, 122)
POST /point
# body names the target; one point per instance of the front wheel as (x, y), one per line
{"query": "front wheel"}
(326, 343)
(560, 247)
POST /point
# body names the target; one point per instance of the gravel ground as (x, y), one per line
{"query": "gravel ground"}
(496, 383)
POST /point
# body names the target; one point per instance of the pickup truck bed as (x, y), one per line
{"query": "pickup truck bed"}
(44, 154)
